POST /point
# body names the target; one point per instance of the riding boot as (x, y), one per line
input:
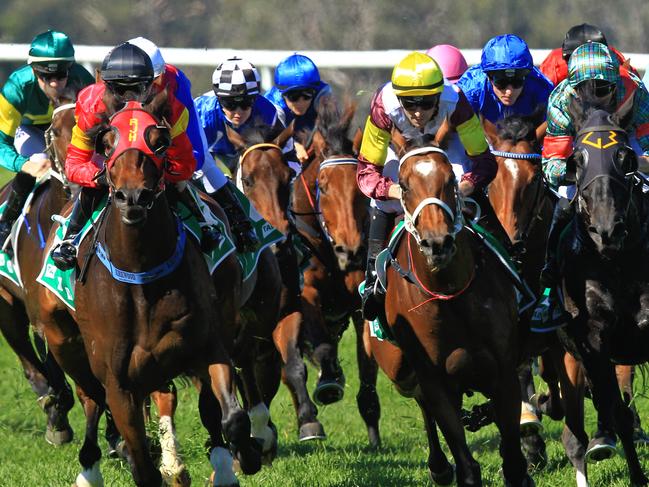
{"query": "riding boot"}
(64, 254)
(21, 186)
(211, 236)
(562, 215)
(378, 232)
(244, 234)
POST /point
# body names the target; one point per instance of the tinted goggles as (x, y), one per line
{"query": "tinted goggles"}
(233, 102)
(121, 89)
(296, 95)
(502, 82)
(603, 88)
(422, 102)
(57, 75)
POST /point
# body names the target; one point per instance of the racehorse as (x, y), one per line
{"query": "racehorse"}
(19, 306)
(331, 215)
(265, 178)
(164, 314)
(603, 254)
(451, 309)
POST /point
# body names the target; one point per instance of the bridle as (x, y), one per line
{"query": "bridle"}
(410, 219)
(59, 166)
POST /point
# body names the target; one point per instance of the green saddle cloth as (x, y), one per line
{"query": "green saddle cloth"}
(62, 283)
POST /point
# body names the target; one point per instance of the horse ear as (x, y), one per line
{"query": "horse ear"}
(399, 142)
(97, 75)
(358, 139)
(235, 138)
(490, 131)
(286, 134)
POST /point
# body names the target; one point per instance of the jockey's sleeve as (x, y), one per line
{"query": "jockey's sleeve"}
(194, 131)
(483, 163)
(373, 152)
(641, 118)
(558, 142)
(10, 118)
(79, 168)
(181, 162)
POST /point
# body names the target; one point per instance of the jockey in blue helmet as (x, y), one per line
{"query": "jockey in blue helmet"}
(506, 82)
(297, 92)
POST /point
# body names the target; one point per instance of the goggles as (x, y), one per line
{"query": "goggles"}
(508, 77)
(296, 95)
(233, 102)
(427, 102)
(57, 75)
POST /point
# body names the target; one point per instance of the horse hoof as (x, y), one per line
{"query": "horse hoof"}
(600, 448)
(311, 431)
(58, 437)
(527, 482)
(444, 478)
(534, 450)
(374, 437)
(269, 453)
(328, 392)
(90, 478)
(177, 479)
(248, 455)
(530, 423)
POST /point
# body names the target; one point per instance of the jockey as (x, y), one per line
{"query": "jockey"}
(126, 73)
(450, 60)
(555, 65)
(26, 111)
(235, 103)
(506, 82)
(593, 71)
(214, 181)
(417, 101)
(297, 92)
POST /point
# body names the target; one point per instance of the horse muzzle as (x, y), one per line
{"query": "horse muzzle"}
(350, 259)
(438, 250)
(134, 204)
(609, 242)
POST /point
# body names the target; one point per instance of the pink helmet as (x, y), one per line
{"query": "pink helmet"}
(450, 60)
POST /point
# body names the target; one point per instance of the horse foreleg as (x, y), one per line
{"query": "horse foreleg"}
(506, 404)
(367, 399)
(441, 472)
(530, 424)
(625, 375)
(550, 404)
(294, 375)
(90, 453)
(173, 470)
(129, 418)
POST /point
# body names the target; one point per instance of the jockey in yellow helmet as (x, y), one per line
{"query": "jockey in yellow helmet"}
(416, 102)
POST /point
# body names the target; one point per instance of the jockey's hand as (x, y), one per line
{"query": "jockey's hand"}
(394, 192)
(466, 187)
(301, 153)
(37, 166)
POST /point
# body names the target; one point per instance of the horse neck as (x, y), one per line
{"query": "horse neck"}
(453, 277)
(137, 248)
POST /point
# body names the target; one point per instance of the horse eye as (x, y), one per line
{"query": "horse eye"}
(247, 182)
(404, 187)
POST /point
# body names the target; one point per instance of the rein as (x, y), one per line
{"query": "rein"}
(59, 172)
(264, 145)
(516, 155)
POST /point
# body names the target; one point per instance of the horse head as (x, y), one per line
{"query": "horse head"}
(135, 146)
(602, 167)
(263, 174)
(518, 191)
(343, 208)
(430, 199)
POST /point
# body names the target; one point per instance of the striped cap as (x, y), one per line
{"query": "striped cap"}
(236, 77)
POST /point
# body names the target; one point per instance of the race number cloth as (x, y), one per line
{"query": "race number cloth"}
(62, 283)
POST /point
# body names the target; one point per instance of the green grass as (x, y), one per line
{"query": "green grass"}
(342, 460)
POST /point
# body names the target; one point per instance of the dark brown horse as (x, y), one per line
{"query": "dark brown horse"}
(164, 319)
(604, 255)
(266, 178)
(452, 310)
(19, 303)
(331, 215)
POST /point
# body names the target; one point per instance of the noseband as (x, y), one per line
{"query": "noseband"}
(410, 219)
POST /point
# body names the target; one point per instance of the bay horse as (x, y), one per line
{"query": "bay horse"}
(452, 311)
(331, 214)
(165, 320)
(604, 257)
(19, 303)
(265, 178)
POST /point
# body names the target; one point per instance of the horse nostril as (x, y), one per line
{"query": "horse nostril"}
(339, 249)
(592, 229)
(426, 243)
(120, 196)
(619, 230)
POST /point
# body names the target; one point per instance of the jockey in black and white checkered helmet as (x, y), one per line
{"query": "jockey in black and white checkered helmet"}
(236, 77)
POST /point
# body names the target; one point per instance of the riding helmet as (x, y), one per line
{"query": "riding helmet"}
(51, 52)
(236, 77)
(296, 72)
(417, 74)
(127, 63)
(450, 60)
(154, 53)
(507, 51)
(578, 35)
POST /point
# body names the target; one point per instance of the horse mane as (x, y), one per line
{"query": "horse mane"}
(260, 133)
(423, 140)
(334, 126)
(517, 128)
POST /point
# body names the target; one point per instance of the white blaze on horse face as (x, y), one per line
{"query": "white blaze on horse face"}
(512, 167)
(426, 167)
